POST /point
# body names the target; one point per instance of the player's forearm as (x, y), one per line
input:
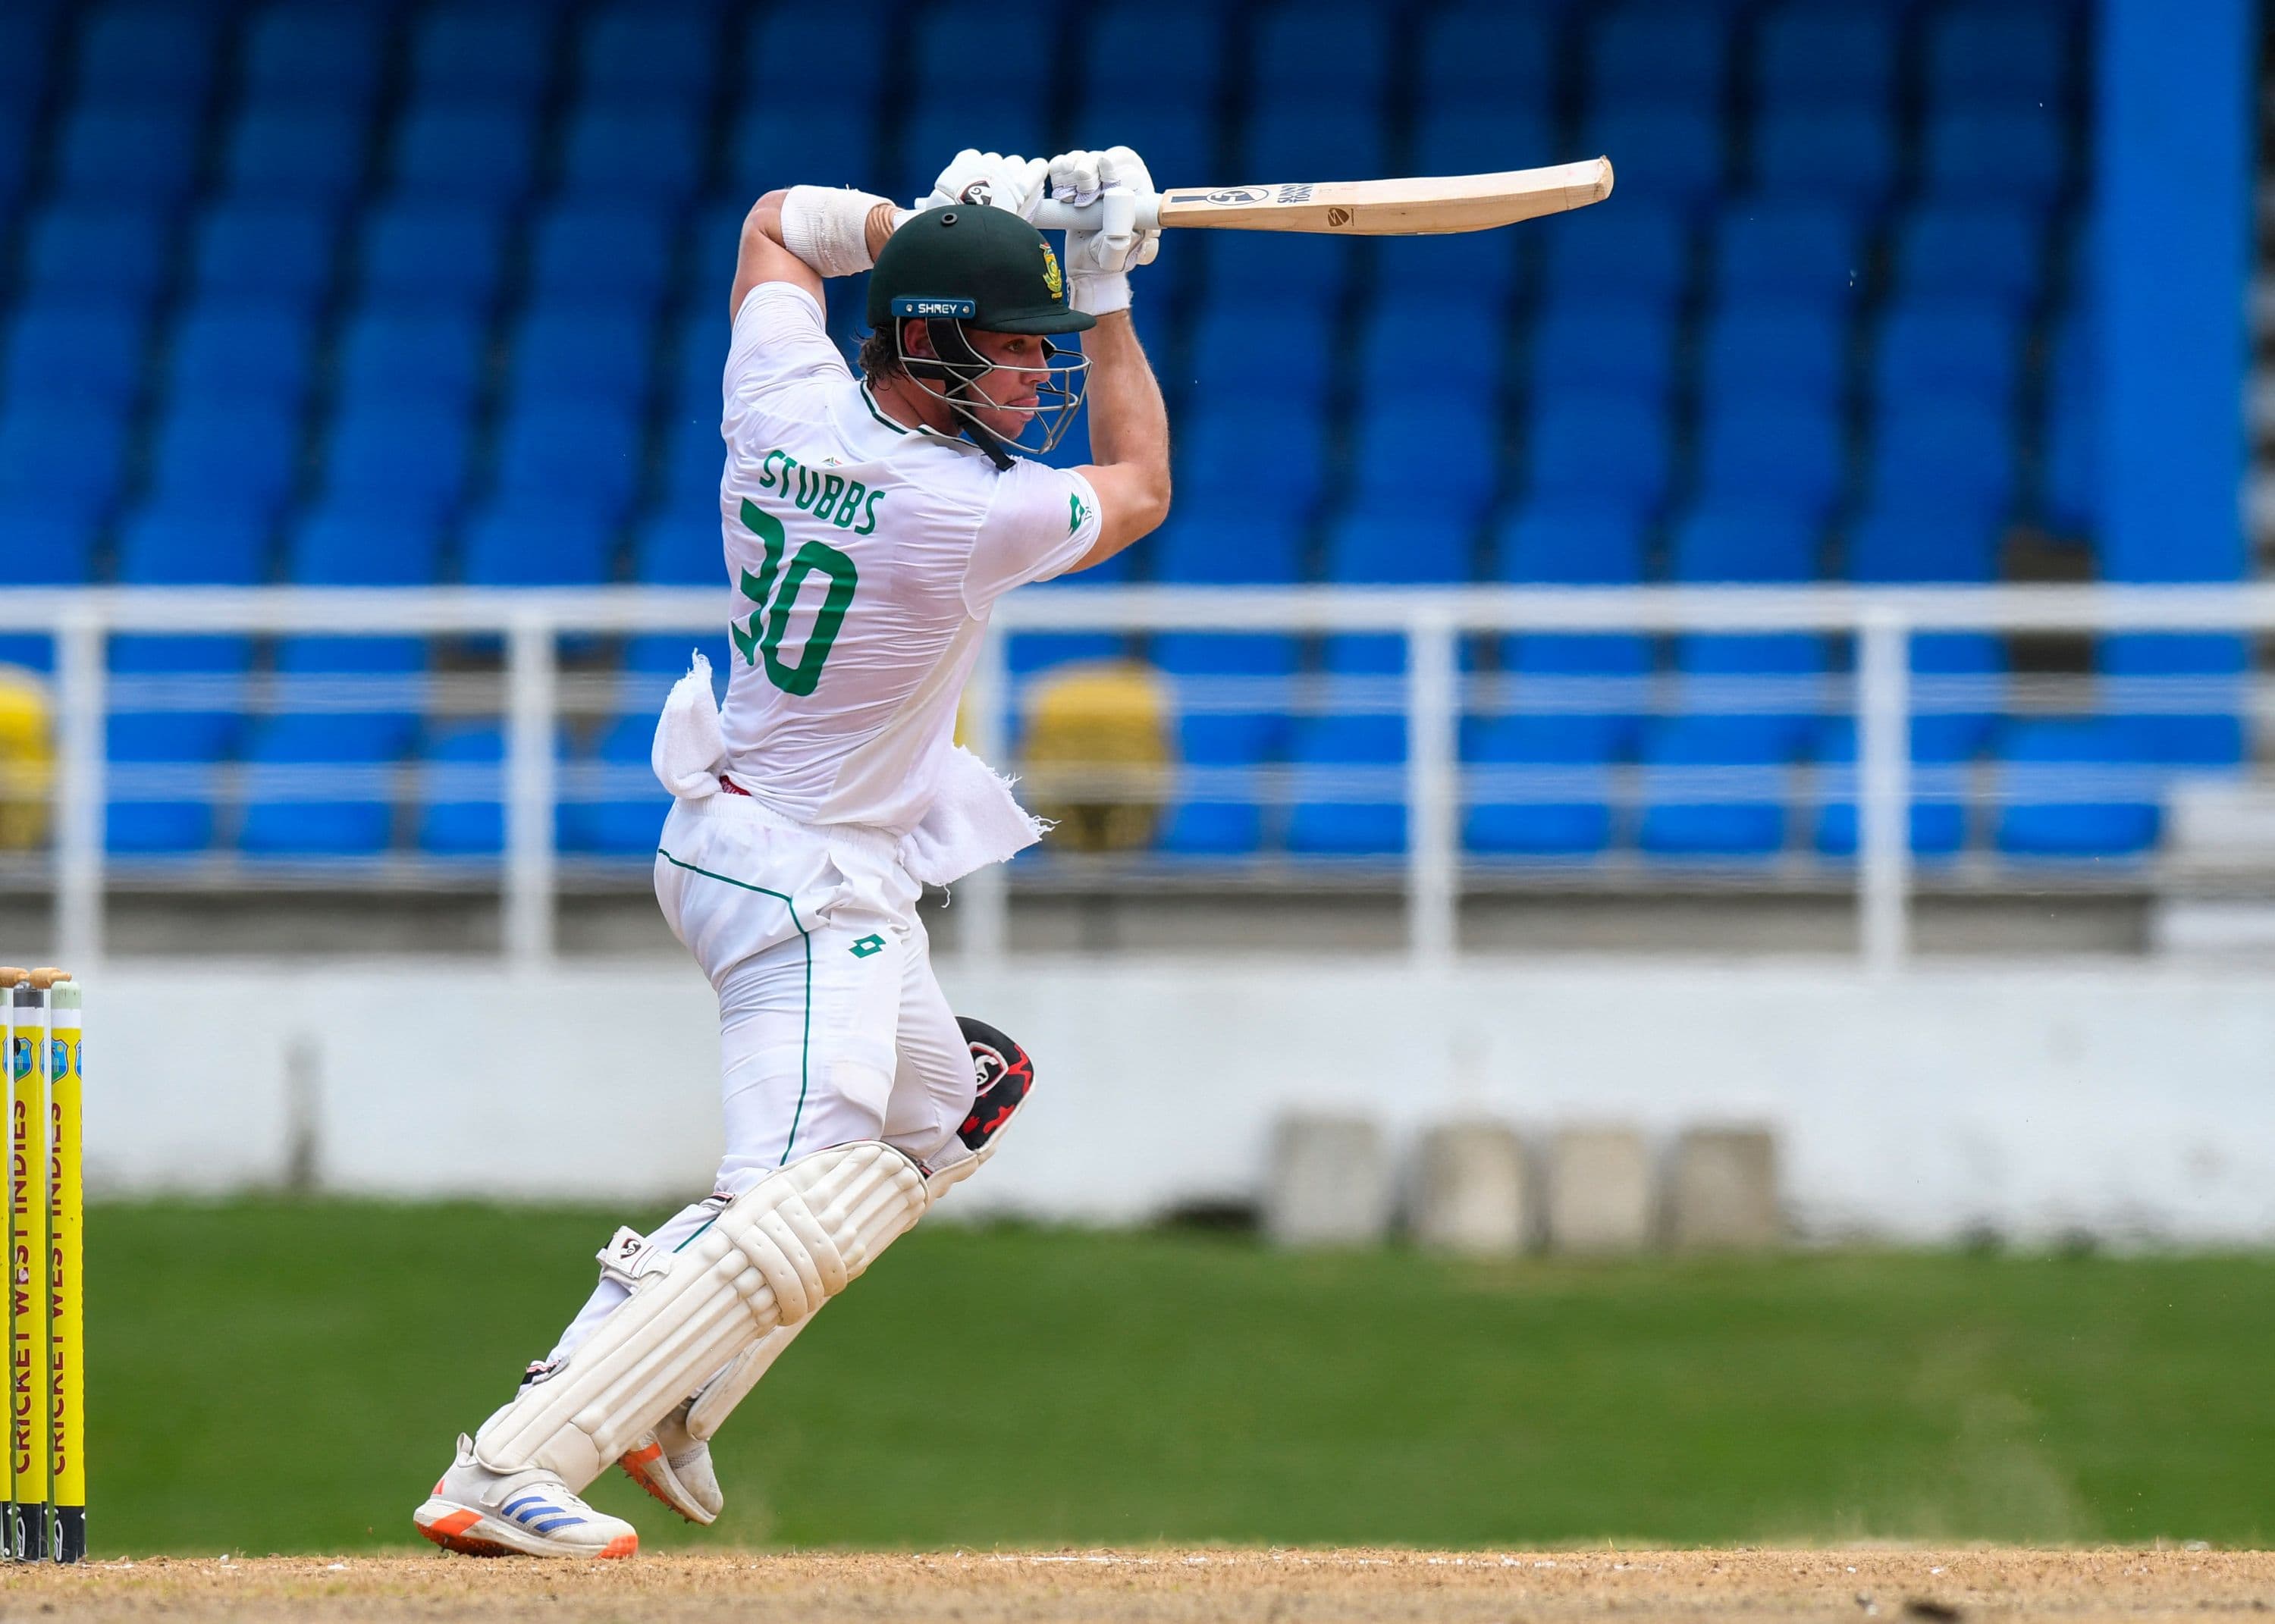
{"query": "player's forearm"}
(823, 239)
(1128, 424)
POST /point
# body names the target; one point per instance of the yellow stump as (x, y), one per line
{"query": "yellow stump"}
(66, 1276)
(11, 978)
(27, 1268)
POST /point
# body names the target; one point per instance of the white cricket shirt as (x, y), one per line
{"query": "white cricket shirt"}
(864, 558)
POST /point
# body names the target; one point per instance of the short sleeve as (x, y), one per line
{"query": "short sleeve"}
(1042, 523)
(780, 339)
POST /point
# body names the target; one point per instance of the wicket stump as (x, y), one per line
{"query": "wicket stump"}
(42, 1026)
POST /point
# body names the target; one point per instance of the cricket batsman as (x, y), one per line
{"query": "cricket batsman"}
(871, 523)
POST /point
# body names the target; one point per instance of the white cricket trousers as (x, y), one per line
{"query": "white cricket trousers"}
(831, 1025)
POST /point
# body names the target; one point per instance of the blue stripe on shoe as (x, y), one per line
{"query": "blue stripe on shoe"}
(547, 1525)
(513, 1508)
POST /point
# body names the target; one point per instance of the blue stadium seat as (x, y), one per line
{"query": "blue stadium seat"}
(591, 350)
(60, 458)
(693, 460)
(319, 52)
(2017, 55)
(1716, 789)
(612, 823)
(50, 543)
(411, 356)
(1456, 334)
(1956, 446)
(89, 354)
(408, 456)
(1481, 54)
(602, 251)
(1570, 544)
(1844, 155)
(309, 154)
(1793, 350)
(646, 152)
(529, 540)
(1659, 53)
(1461, 265)
(2016, 155)
(2075, 789)
(128, 151)
(462, 791)
(26, 42)
(239, 457)
(1752, 545)
(16, 137)
(90, 251)
(422, 253)
(1792, 253)
(1299, 277)
(1432, 455)
(1328, 51)
(1970, 347)
(1924, 537)
(1829, 53)
(1462, 138)
(1313, 136)
(243, 349)
(1624, 346)
(1764, 452)
(1638, 250)
(499, 53)
(472, 152)
(1346, 774)
(1606, 449)
(1375, 545)
(2183, 694)
(582, 457)
(1971, 250)
(983, 44)
(1273, 461)
(367, 538)
(780, 38)
(193, 543)
(671, 550)
(159, 51)
(272, 252)
(155, 808)
(787, 143)
(1244, 549)
(1539, 786)
(1238, 344)
(1936, 817)
(1177, 51)
(640, 51)
(1672, 155)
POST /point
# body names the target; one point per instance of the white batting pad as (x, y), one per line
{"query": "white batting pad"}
(774, 1256)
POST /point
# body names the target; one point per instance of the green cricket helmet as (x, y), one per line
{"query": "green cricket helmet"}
(970, 267)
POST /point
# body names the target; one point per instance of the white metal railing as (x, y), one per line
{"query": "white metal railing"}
(1882, 622)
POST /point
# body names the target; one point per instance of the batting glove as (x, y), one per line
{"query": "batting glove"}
(1003, 180)
(1099, 261)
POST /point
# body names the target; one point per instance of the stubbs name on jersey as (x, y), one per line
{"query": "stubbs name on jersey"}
(825, 495)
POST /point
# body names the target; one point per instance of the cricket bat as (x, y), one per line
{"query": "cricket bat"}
(1411, 207)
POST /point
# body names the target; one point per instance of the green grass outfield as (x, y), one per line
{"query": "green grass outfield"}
(287, 1377)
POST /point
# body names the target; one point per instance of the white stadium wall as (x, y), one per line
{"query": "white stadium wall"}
(2135, 1103)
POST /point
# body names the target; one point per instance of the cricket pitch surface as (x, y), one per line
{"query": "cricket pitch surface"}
(1897, 1585)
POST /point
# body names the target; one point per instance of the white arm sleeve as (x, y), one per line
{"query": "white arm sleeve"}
(1041, 522)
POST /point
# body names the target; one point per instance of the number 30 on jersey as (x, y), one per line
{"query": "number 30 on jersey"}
(775, 590)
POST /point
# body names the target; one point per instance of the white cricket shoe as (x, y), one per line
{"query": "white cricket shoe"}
(674, 1466)
(479, 1512)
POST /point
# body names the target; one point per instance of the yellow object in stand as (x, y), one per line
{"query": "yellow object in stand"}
(1096, 753)
(27, 758)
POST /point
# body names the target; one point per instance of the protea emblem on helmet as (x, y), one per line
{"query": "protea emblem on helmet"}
(1051, 277)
